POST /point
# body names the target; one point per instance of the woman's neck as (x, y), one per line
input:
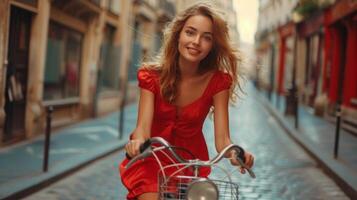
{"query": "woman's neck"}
(188, 69)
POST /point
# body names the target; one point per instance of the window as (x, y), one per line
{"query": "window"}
(63, 59)
(136, 57)
(136, 53)
(113, 6)
(109, 61)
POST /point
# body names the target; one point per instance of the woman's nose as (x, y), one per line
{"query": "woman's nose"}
(196, 40)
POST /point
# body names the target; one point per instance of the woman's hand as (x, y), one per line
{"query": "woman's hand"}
(249, 160)
(132, 148)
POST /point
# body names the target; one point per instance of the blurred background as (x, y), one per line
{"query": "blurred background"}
(73, 61)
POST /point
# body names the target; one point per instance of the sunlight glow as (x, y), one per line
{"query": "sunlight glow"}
(247, 15)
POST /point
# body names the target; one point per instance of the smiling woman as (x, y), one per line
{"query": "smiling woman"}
(195, 71)
(195, 40)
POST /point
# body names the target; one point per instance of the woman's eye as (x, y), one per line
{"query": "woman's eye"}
(208, 38)
(189, 33)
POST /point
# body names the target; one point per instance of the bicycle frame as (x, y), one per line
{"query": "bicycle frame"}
(179, 186)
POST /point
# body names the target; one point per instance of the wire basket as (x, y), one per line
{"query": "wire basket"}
(176, 187)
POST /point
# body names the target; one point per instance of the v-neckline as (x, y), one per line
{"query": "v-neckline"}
(199, 98)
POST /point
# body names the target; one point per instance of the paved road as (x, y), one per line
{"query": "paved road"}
(283, 169)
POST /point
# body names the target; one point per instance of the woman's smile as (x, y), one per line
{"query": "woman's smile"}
(193, 51)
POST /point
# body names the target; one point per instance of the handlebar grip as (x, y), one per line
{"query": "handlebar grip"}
(127, 156)
(242, 158)
(142, 148)
(241, 154)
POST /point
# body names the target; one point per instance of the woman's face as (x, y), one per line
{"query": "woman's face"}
(196, 39)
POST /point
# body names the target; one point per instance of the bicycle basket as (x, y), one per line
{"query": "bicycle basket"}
(176, 188)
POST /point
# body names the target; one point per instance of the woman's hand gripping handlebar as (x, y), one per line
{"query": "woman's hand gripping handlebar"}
(146, 149)
(239, 156)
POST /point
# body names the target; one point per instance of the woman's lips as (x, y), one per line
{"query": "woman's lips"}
(193, 51)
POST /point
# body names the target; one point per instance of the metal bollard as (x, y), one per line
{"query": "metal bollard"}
(122, 113)
(337, 130)
(121, 120)
(47, 138)
(296, 111)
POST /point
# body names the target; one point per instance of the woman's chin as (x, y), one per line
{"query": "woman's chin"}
(193, 59)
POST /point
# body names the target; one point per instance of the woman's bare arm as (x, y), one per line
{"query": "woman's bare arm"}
(221, 127)
(143, 125)
(221, 123)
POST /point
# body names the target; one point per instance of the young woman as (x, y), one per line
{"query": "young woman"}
(196, 70)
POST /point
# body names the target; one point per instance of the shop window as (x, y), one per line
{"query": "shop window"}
(136, 58)
(63, 60)
(109, 61)
(136, 52)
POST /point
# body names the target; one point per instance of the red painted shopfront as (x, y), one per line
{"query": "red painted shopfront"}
(286, 34)
(340, 64)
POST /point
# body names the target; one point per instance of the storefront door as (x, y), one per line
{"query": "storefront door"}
(16, 76)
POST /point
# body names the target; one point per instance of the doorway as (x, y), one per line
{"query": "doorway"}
(17, 74)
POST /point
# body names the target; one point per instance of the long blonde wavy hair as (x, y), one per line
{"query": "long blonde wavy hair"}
(222, 56)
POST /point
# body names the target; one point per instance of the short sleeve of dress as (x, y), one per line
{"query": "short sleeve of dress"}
(146, 79)
(223, 82)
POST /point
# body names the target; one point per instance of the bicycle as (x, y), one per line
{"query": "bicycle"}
(179, 186)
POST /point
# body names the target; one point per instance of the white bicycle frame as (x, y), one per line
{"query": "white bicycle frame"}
(178, 186)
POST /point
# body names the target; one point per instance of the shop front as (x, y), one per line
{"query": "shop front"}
(340, 79)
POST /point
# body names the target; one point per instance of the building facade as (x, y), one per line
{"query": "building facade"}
(275, 35)
(70, 55)
(309, 50)
(150, 19)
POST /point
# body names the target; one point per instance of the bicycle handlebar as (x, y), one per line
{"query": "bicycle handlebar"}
(146, 150)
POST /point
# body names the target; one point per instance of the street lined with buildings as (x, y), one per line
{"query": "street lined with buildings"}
(306, 55)
(80, 58)
(305, 59)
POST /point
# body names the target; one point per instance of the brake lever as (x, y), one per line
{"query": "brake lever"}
(241, 159)
(250, 171)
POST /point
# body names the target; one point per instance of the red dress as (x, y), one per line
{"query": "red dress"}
(183, 129)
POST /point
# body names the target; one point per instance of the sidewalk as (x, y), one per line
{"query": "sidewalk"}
(70, 148)
(317, 137)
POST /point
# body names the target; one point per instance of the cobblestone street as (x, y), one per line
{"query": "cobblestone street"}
(283, 169)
